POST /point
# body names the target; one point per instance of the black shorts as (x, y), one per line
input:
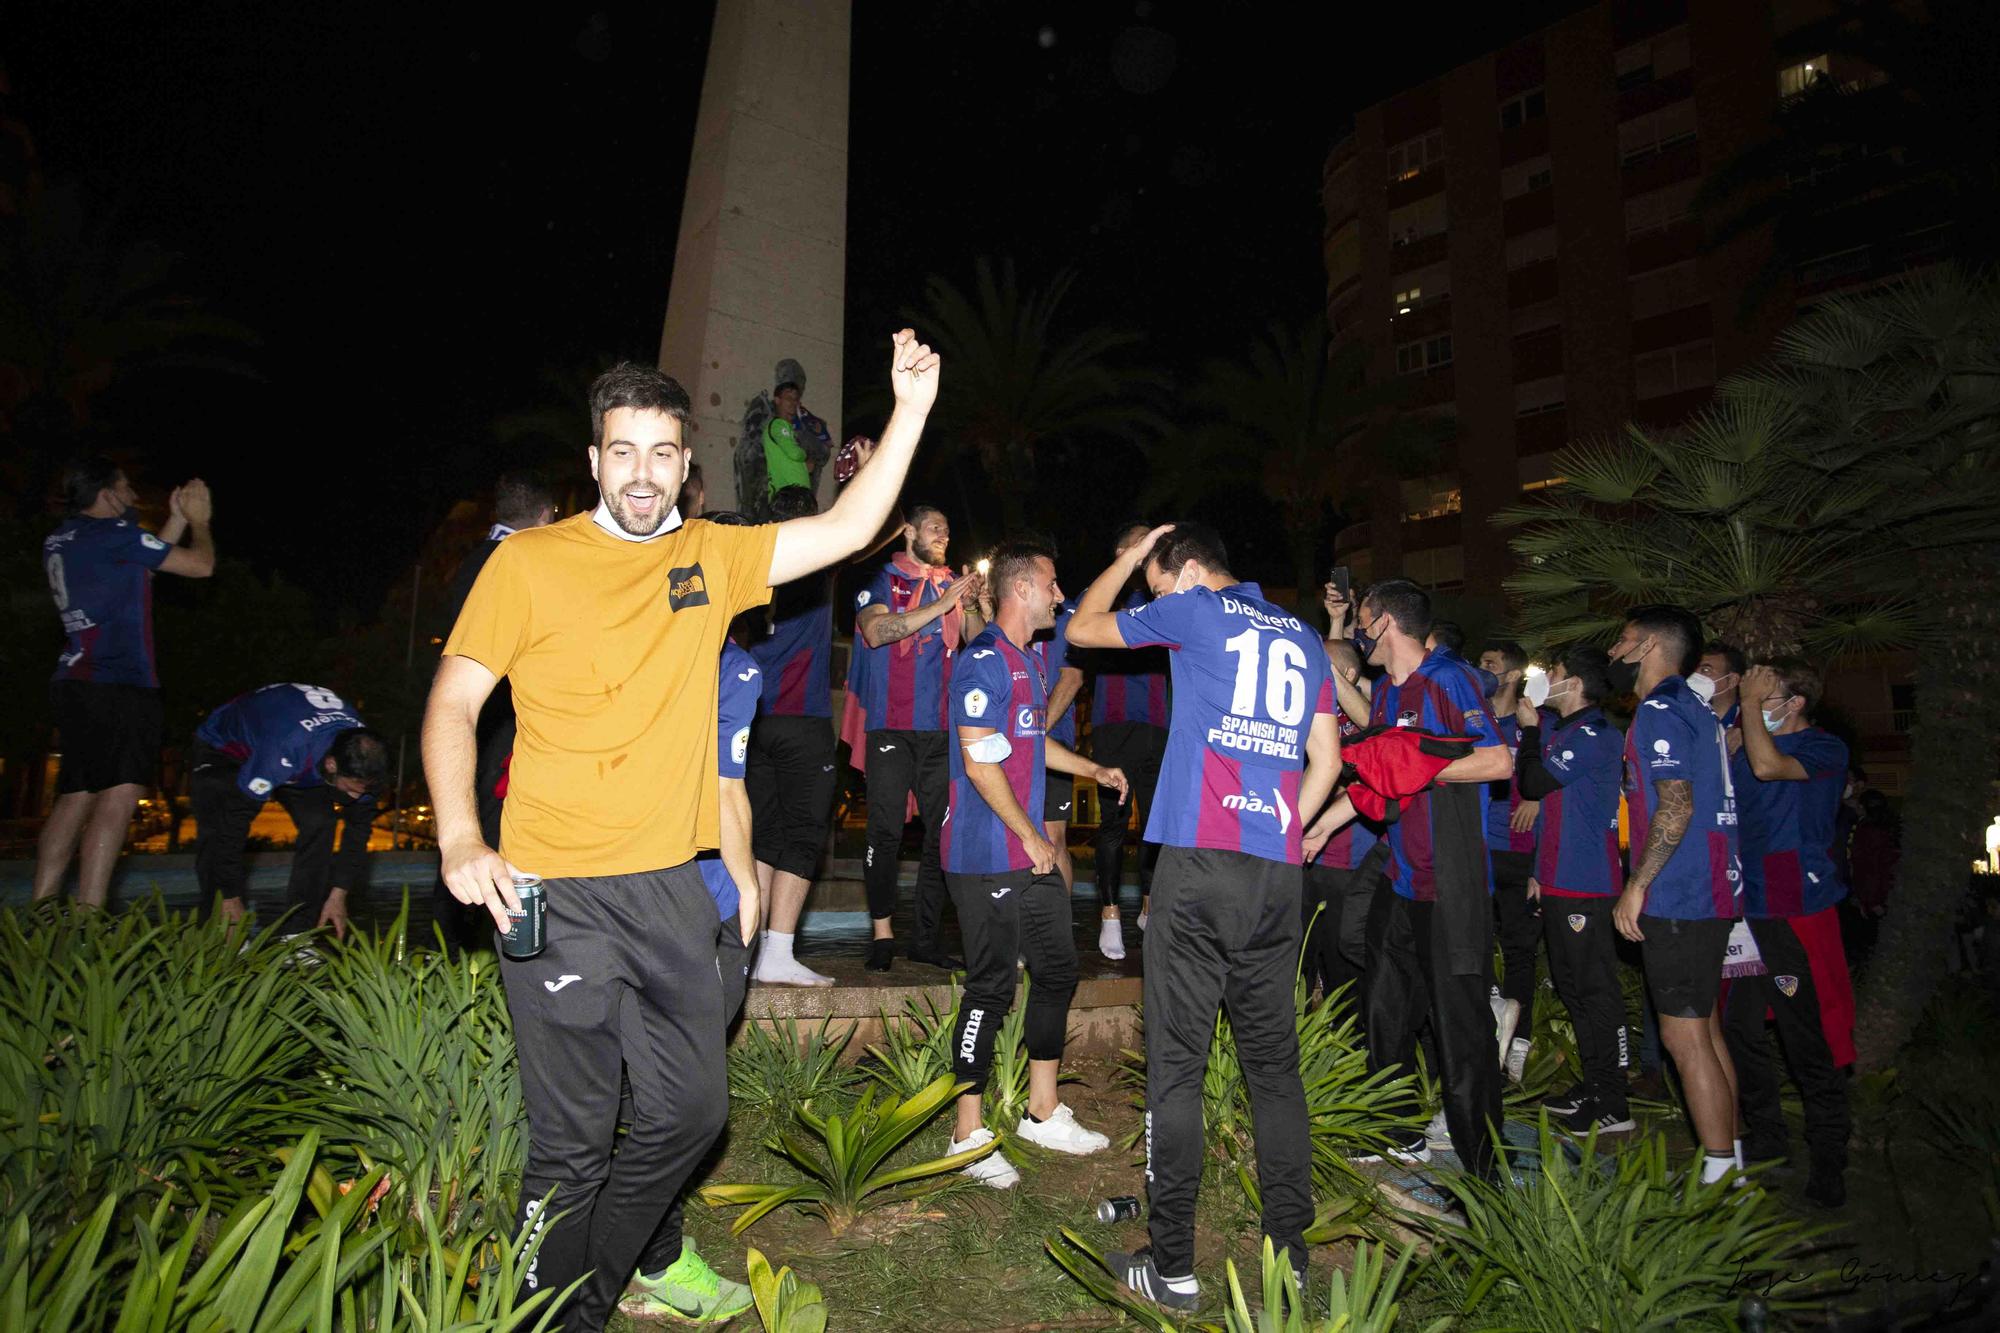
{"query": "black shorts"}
(1059, 798)
(1683, 962)
(110, 734)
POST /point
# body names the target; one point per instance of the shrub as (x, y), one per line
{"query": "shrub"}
(776, 1069)
(785, 1304)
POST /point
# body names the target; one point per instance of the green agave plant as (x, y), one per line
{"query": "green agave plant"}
(843, 1159)
(916, 1046)
(776, 1068)
(785, 1302)
(1360, 1301)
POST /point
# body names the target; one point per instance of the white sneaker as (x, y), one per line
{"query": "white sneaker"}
(785, 972)
(1517, 1058)
(1061, 1133)
(1436, 1133)
(992, 1169)
(1111, 939)
(1506, 1017)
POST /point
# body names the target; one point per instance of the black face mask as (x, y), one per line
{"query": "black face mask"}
(1624, 676)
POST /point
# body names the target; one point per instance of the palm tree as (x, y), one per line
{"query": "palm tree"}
(1020, 382)
(1844, 496)
(1904, 160)
(1289, 421)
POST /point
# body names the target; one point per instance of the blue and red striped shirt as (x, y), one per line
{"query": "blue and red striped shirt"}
(1676, 738)
(99, 572)
(902, 683)
(1248, 677)
(1050, 649)
(1787, 831)
(995, 684)
(736, 708)
(278, 735)
(796, 658)
(1504, 798)
(1576, 831)
(1130, 687)
(1442, 695)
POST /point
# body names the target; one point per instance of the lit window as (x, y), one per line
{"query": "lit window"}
(1795, 79)
(1518, 111)
(1432, 497)
(1425, 286)
(1412, 157)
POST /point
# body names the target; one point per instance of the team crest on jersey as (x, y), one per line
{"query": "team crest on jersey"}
(260, 786)
(865, 598)
(739, 746)
(1577, 921)
(1407, 718)
(686, 587)
(1789, 986)
(151, 543)
(975, 703)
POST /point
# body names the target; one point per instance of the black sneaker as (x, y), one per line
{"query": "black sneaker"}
(1136, 1273)
(1409, 1147)
(936, 957)
(1826, 1185)
(880, 954)
(1567, 1103)
(1591, 1116)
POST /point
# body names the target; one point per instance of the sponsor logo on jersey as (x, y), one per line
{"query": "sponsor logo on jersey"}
(983, 652)
(686, 587)
(1027, 721)
(1254, 804)
(739, 746)
(975, 703)
(553, 986)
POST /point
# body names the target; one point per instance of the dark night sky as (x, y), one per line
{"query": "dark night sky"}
(420, 213)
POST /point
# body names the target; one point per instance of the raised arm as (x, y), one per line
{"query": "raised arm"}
(1095, 624)
(878, 625)
(1766, 761)
(814, 542)
(192, 505)
(474, 872)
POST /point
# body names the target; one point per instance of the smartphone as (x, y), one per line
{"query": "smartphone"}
(1343, 583)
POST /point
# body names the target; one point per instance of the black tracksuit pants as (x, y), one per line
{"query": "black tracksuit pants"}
(1006, 917)
(1822, 1086)
(900, 762)
(1520, 928)
(1224, 933)
(1407, 984)
(1336, 943)
(223, 814)
(1137, 748)
(629, 987)
(1583, 962)
(790, 779)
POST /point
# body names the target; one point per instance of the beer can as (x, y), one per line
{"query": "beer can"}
(1118, 1208)
(527, 931)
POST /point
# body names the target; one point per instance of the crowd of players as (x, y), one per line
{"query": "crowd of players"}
(634, 704)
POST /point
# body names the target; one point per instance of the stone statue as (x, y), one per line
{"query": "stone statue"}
(753, 477)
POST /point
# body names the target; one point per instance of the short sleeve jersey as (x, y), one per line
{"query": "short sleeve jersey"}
(902, 683)
(1248, 679)
(1788, 828)
(1676, 738)
(614, 652)
(995, 684)
(1346, 848)
(1442, 695)
(796, 657)
(1050, 649)
(1576, 831)
(1129, 687)
(736, 709)
(1503, 798)
(278, 735)
(98, 572)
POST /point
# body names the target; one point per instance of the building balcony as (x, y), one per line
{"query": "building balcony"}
(1538, 355)
(1423, 320)
(1540, 432)
(1671, 409)
(1526, 140)
(1419, 252)
(1668, 245)
(1354, 537)
(1656, 93)
(1672, 329)
(1657, 168)
(1532, 284)
(1528, 212)
(1422, 185)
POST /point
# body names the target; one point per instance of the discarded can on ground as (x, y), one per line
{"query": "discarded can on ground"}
(1118, 1208)
(527, 931)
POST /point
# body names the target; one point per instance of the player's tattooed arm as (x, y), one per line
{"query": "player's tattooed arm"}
(1670, 824)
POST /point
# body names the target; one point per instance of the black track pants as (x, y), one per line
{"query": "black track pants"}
(900, 762)
(1137, 748)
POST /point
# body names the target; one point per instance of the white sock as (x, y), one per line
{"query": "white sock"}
(1714, 1166)
(1739, 1154)
(778, 946)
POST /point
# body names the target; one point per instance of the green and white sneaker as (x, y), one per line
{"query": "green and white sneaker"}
(689, 1290)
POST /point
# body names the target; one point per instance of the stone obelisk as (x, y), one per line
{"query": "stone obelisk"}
(759, 268)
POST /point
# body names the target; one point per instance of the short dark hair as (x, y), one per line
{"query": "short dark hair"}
(1186, 541)
(729, 518)
(641, 388)
(1673, 622)
(1799, 677)
(83, 478)
(919, 511)
(787, 384)
(1012, 560)
(1403, 602)
(1587, 666)
(1449, 634)
(1515, 656)
(519, 496)
(793, 502)
(362, 755)
(1127, 528)
(1729, 653)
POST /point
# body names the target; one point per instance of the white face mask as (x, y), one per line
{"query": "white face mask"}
(1536, 688)
(1772, 721)
(1702, 687)
(1186, 580)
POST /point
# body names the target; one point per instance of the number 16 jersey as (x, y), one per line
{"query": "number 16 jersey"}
(1248, 679)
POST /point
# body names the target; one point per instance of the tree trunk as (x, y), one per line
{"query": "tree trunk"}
(1950, 797)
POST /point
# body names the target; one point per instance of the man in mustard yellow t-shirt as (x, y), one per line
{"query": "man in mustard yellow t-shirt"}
(609, 626)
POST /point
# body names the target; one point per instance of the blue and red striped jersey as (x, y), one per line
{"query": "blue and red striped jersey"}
(1442, 695)
(1248, 679)
(1576, 831)
(736, 709)
(1787, 828)
(902, 683)
(1504, 798)
(1050, 649)
(1129, 687)
(100, 574)
(1344, 850)
(796, 657)
(278, 735)
(995, 684)
(1676, 738)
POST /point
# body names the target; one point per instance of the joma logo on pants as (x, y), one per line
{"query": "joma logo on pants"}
(531, 1213)
(968, 1040)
